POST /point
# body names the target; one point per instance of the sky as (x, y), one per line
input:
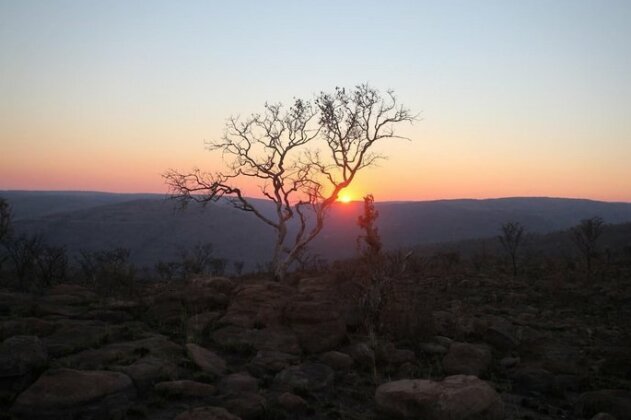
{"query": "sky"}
(516, 98)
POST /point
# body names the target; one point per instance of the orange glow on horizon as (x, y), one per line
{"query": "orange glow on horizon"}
(344, 198)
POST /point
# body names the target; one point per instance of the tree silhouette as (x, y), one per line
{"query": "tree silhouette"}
(585, 236)
(511, 239)
(302, 156)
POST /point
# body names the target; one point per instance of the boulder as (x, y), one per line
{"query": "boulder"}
(258, 305)
(318, 325)
(22, 355)
(337, 360)
(69, 393)
(292, 403)
(237, 383)
(467, 359)
(240, 339)
(247, 405)
(206, 360)
(145, 372)
(455, 397)
(616, 402)
(22, 358)
(74, 336)
(198, 325)
(305, 377)
(26, 326)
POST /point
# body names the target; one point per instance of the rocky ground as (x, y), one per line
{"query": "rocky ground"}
(219, 348)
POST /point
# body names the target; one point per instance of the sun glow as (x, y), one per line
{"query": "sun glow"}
(344, 198)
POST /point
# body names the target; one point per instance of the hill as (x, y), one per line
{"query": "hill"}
(154, 229)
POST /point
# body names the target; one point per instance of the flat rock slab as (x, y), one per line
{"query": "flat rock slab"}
(69, 393)
(206, 360)
(456, 397)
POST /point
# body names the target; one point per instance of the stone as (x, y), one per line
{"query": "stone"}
(318, 325)
(305, 377)
(337, 360)
(271, 362)
(500, 334)
(292, 403)
(69, 393)
(22, 355)
(207, 413)
(455, 397)
(239, 339)
(75, 336)
(509, 362)
(258, 305)
(433, 349)
(247, 405)
(467, 359)
(198, 325)
(237, 383)
(26, 326)
(206, 360)
(616, 402)
(123, 353)
(185, 388)
(362, 354)
(528, 379)
(145, 372)
(223, 285)
(22, 358)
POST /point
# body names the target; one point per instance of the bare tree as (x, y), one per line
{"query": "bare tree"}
(5, 219)
(511, 239)
(585, 236)
(24, 251)
(302, 157)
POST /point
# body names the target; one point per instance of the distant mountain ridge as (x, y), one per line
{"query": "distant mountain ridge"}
(153, 229)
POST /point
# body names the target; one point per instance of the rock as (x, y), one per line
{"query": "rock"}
(259, 304)
(455, 397)
(318, 325)
(124, 353)
(26, 326)
(206, 360)
(74, 336)
(145, 372)
(68, 393)
(22, 355)
(509, 362)
(389, 354)
(500, 333)
(362, 354)
(106, 315)
(22, 358)
(242, 340)
(467, 359)
(198, 325)
(271, 361)
(533, 379)
(616, 402)
(237, 383)
(337, 360)
(305, 377)
(433, 349)
(292, 403)
(185, 388)
(247, 405)
(603, 416)
(207, 413)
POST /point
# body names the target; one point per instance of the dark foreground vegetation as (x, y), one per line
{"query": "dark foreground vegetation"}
(503, 333)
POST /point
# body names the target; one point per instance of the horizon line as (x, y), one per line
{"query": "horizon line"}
(166, 195)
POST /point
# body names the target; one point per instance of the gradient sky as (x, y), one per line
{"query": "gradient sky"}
(518, 98)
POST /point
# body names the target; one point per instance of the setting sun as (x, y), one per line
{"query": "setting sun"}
(344, 198)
